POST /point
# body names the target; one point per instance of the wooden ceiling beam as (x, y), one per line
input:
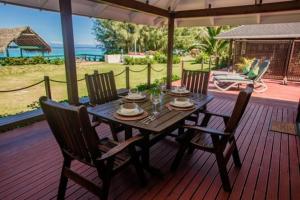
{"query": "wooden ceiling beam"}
(136, 5)
(239, 10)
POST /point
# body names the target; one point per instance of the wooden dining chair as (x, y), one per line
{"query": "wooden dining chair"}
(101, 89)
(196, 82)
(79, 141)
(221, 143)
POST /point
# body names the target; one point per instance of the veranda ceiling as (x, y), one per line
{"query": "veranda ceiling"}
(109, 10)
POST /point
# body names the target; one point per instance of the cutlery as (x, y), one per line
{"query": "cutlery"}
(151, 119)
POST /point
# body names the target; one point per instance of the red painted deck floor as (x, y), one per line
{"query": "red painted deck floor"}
(31, 162)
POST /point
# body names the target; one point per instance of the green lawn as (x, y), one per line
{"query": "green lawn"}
(12, 77)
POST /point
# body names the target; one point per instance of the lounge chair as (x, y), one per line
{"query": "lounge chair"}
(220, 73)
(226, 82)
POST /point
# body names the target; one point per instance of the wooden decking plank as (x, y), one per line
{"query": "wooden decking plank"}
(244, 138)
(159, 186)
(185, 191)
(284, 184)
(273, 163)
(214, 183)
(175, 188)
(250, 184)
(262, 181)
(272, 190)
(294, 161)
(247, 161)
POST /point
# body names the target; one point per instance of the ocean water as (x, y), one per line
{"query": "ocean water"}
(56, 51)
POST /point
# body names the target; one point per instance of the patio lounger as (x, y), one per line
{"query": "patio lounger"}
(224, 83)
(220, 73)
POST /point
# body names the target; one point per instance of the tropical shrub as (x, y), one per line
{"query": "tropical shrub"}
(156, 83)
(128, 60)
(30, 61)
(243, 63)
(162, 58)
(203, 56)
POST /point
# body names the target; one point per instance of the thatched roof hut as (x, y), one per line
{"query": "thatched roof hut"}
(24, 37)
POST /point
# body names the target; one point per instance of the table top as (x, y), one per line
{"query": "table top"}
(164, 120)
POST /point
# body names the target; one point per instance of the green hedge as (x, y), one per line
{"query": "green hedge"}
(30, 61)
(137, 61)
(157, 58)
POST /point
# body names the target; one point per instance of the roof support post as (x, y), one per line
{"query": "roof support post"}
(69, 50)
(288, 60)
(170, 50)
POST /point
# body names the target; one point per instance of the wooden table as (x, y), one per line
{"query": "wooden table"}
(166, 121)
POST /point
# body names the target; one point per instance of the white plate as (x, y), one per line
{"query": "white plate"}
(130, 112)
(180, 92)
(135, 97)
(185, 104)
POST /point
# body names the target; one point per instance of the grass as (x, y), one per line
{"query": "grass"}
(12, 77)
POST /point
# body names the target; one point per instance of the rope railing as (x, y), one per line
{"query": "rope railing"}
(138, 70)
(23, 88)
(156, 70)
(58, 81)
(126, 71)
(120, 73)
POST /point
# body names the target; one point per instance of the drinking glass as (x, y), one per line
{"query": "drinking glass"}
(133, 91)
(155, 98)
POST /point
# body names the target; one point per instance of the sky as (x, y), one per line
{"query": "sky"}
(46, 24)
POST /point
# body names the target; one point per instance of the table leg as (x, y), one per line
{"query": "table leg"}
(146, 157)
(128, 132)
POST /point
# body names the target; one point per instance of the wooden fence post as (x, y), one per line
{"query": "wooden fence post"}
(182, 66)
(209, 63)
(127, 77)
(47, 86)
(149, 75)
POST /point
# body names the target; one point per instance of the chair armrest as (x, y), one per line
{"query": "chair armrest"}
(217, 114)
(207, 130)
(120, 147)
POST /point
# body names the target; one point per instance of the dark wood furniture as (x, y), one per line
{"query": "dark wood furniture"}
(221, 143)
(166, 121)
(78, 140)
(101, 89)
(196, 82)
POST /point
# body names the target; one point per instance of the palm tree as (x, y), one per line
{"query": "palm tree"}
(213, 46)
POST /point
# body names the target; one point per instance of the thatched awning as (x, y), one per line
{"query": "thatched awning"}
(24, 37)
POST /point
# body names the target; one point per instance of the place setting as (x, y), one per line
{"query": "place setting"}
(179, 91)
(181, 104)
(130, 112)
(135, 96)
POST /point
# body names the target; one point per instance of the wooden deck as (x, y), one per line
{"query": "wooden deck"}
(31, 162)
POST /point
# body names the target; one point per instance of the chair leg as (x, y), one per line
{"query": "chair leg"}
(63, 180)
(105, 188)
(138, 166)
(223, 171)
(236, 156)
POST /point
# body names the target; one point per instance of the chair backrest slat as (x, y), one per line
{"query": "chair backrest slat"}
(196, 81)
(239, 109)
(101, 87)
(71, 127)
